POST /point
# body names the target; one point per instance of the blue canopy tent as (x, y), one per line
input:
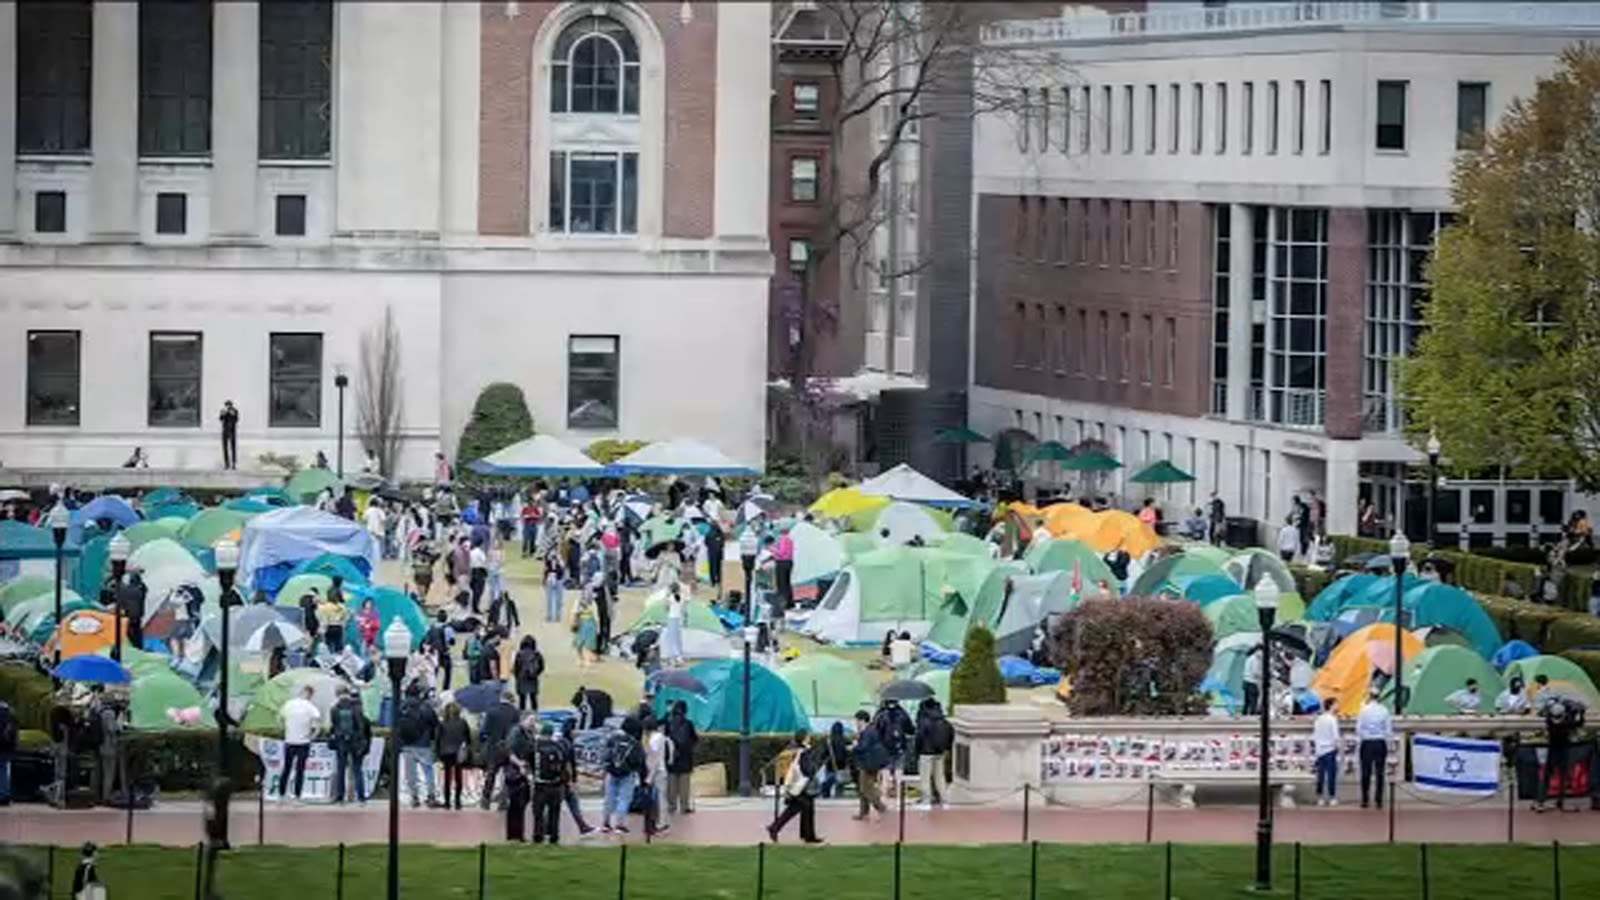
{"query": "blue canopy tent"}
(296, 535)
(107, 508)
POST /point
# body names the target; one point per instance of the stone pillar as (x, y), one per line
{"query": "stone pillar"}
(8, 120)
(235, 118)
(1347, 292)
(998, 749)
(463, 24)
(1342, 483)
(114, 123)
(1241, 235)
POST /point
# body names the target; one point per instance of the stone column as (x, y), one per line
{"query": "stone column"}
(114, 123)
(1241, 235)
(235, 118)
(8, 120)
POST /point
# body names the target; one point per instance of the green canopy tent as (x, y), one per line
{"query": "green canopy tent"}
(1163, 472)
(958, 609)
(774, 708)
(306, 484)
(1062, 555)
(828, 686)
(299, 585)
(1091, 460)
(881, 590)
(151, 694)
(1438, 672)
(962, 544)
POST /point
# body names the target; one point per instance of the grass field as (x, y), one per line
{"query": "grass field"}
(666, 872)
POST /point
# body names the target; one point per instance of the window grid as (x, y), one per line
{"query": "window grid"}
(1221, 301)
(594, 193)
(1297, 310)
(174, 78)
(805, 99)
(594, 68)
(55, 371)
(1399, 245)
(296, 74)
(53, 76)
(1081, 364)
(1064, 226)
(294, 379)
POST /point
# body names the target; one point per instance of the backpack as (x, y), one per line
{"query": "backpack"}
(532, 666)
(549, 762)
(626, 756)
(346, 727)
(474, 649)
(436, 639)
(411, 725)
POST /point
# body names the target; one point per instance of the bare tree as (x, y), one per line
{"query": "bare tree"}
(379, 410)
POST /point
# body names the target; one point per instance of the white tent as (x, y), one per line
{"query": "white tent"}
(817, 554)
(679, 456)
(905, 483)
(538, 455)
(904, 521)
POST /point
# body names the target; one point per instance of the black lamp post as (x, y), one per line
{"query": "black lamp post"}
(1266, 596)
(340, 381)
(227, 553)
(120, 549)
(58, 521)
(750, 635)
(1399, 555)
(396, 650)
(1433, 481)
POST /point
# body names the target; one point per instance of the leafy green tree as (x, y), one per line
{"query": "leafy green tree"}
(1507, 370)
(500, 418)
(976, 678)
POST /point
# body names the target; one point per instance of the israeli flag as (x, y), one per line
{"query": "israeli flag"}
(1454, 765)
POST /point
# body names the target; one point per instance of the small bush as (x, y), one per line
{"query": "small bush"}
(30, 695)
(1569, 631)
(976, 678)
(1139, 656)
(500, 418)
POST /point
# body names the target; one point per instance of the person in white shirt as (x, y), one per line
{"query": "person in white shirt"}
(301, 719)
(1374, 729)
(1288, 541)
(1467, 700)
(672, 637)
(657, 756)
(1325, 743)
(901, 652)
(377, 523)
(1513, 701)
(1252, 682)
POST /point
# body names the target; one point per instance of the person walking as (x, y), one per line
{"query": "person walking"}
(801, 785)
(131, 595)
(1252, 682)
(680, 769)
(438, 639)
(935, 738)
(350, 738)
(749, 548)
(672, 636)
(331, 617)
(519, 776)
(871, 757)
(1374, 729)
(528, 667)
(417, 727)
(229, 418)
(1325, 745)
(716, 545)
(477, 575)
(569, 788)
(493, 735)
(453, 746)
(895, 727)
(783, 572)
(555, 577)
(625, 765)
(301, 719)
(86, 883)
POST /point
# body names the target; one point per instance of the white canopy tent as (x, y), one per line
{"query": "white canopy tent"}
(538, 455)
(679, 456)
(905, 483)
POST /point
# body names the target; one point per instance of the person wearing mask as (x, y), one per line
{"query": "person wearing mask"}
(350, 737)
(549, 771)
(1466, 701)
(528, 667)
(416, 729)
(801, 785)
(935, 738)
(519, 776)
(565, 739)
(1374, 729)
(301, 719)
(1513, 701)
(871, 757)
(680, 769)
(1252, 682)
(625, 766)
(437, 640)
(554, 587)
(1325, 746)
(453, 746)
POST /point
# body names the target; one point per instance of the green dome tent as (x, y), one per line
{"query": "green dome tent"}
(390, 603)
(1436, 604)
(703, 634)
(1235, 615)
(1249, 567)
(963, 544)
(1034, 599)
(152, 694)
(300, 585)
(774, 709)
(1172, 570)
(145, 532)
(306, 484)
(1063, 555)
(828, 686)
(24, 587)
(213, 525)
(1438, 672)
(1564, 674)
(265, 712)
(855, 544)
(141, 662)
(959, 609)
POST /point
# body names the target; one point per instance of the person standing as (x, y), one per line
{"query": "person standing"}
(625, 764)
(749, 548)
(377, 522)
(9, 734)
(519, 781)
(801, 784)
(453, 746)
(86, 883)
(871, 758)
(493, 738)
(438, 639)
(417, 727)
(1325, 744)
(672, 637)
(1561, 719)
(783, 572)
(477, 575)
(332, 616)
(301, 719)
(680, 769)
(570, 793)
(529, 668)
(549, 769)
(596, 589)
(350, 738)
(935, 738)
(230, 435)
(659, 753)
(1217, 511)
(1252, 682)
(131, 596)
(554, 587)
(1374, 728)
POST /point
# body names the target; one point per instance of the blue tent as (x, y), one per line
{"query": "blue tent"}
(107, 506)
(1510, 652)
(251, 505)
(276, 542)
(774, 709)
(94, 566)
(1330, 600)
(19, 540)
(1208, 589)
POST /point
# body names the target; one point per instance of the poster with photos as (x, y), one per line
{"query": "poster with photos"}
(1082, 758)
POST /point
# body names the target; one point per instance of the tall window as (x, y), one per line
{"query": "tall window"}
(1081, 364)
(1105, 232)
(1083, 232)
(1247, 118)
(1128, 118)
(296, 79)
(1297, 310)
(1086, 113)
(1150, 95)
(1125, 348)
(1399, 245)
(1125, 252)
(1221, 298)
(53, 77)
(1472, 114)
(175, 365)
(294, 379)
(54, 360)
(1391, 115)
(1068, 110)
(1171, 352)
(1198, 126)
(593, 381)
(1174, 116)
(1325, 130)
(805, 98)
(174, 78)
(1149, 255)
(1105, 124)
(803, 179)
(1105, 343)
(1299, 116)
(1272, 117)
(1172, 236)
(594, 193)
(594, 72)
(1222, 117)
(1064, 237)
(1148, 323)
(1061, 341)
(1044, 119)
(595, 68)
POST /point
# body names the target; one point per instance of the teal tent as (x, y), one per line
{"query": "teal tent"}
(19, 540)
(1434, 604)
(306, 484)
(391, 603)
(774, 709)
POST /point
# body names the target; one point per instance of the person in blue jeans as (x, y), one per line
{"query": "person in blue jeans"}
(625, 766)
(1325, 743)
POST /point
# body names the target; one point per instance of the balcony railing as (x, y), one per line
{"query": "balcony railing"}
(1291, 408)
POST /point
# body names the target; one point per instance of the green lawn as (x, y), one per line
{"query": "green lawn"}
(670, 872)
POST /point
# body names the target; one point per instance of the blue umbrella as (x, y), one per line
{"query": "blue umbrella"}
(93, 669)
(477, 698)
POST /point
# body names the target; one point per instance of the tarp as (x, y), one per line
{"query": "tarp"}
(1438, 672)
(679, 456)
(297, 534)
(539, 455)
(22, 541)
(828, 686)
(905, 483)
(774, 709)
(1347, 676)
(1065, 555)
(106, 506)
(1510, 652)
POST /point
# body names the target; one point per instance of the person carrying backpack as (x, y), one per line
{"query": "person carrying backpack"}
(871, 758)
(350, 739)
(438, 639)
(8, 750)
(625, 767)
(475, 655)
(935, 737)
(528, 667)
(417, 727)
(549, 770)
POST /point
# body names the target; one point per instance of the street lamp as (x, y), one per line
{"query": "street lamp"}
(1399, 555)
(1433, 449)
(751, 633)
(120, 549)
(396, 650)
(58, 521)
(1266, 596)
(227, 555)
(340, 381)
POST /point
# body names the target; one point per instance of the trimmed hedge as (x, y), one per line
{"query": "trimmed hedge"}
(1479, 573)
(1588, 660)
(30, 694)
(1309, 582)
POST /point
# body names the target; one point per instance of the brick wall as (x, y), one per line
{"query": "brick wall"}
(1347, 289)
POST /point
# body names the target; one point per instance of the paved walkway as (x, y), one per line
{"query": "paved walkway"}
(742, 823)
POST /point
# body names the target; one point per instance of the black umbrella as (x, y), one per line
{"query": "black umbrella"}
(1287, 640)
(678, 679)
(906, 690)
(477, 698)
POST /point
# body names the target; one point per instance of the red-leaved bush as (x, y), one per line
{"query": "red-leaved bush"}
(1138, 656)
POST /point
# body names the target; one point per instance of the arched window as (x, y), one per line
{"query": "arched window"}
(594, 68)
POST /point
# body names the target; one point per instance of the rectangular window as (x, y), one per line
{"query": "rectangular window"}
(593, 379)
(1174, 116)
(1148, 323)
(1128, 118)
(174, 78)
(175, 368)
(1081, 364)
(1198, 115)
(1299, 117)
(172, 213)
(289, 215)
(1472, 114)
(1064, 225)
(803, 179)
(594, 193)
(296, 79)
(1125, 348)
(1149, 233)
(1325, 129)
(294, 380)
(50, 212)
(799, 254)
(1083, 232)
(1019, 336)
(1172, 237)
(1105, 232)
(54, 359)
(1086, 96)
(1105, 122)
(1019, 240)
(1169, 370)
(1150, 118)
(1041, 229)
(1041, 337)
(1222, 117)
(1392, 115)
(1272, 117)
(53, 60)
(1125, 252)
(1068, 110)
(805, 99)
(1105, 343)
(1061, 342)
(1247, 118)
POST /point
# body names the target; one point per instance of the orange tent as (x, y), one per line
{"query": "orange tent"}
(1346, 678)
(1116, 528)
(84, 632)
(1026, 510)
(1069, 520)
